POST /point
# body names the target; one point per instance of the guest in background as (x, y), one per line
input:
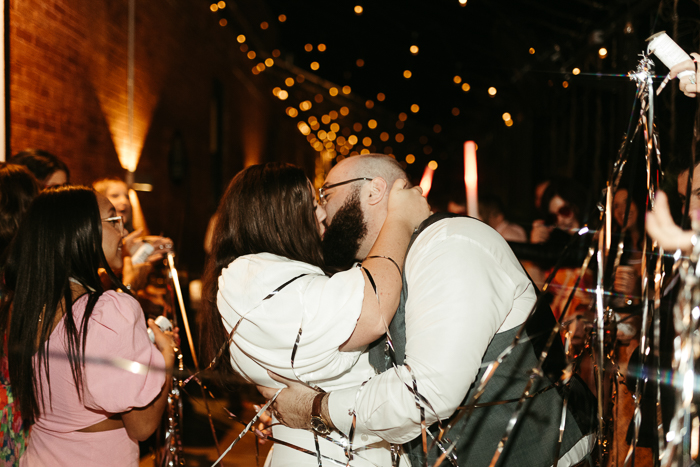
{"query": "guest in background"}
(134, 273)
(62, 327)
(48, 169)
(491, 211)
(18, 187)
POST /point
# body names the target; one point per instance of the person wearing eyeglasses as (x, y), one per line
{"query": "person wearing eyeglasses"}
(134, 274)
(465, 298)
(88, 381)
(268, 304)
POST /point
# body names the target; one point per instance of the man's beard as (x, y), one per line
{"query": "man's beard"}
(343, 237)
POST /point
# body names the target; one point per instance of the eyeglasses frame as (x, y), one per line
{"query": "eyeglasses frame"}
(321, 191)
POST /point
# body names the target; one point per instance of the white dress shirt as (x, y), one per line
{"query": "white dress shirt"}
(464, 286)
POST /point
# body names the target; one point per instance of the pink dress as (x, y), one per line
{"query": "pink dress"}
(117, 334)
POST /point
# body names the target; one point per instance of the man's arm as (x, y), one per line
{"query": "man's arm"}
(459, 295)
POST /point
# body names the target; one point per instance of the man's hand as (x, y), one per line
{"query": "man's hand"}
(292, 407)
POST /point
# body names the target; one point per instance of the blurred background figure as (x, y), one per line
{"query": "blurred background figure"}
(18, 187)
(491, 211)
(141, 251)
(48, 169)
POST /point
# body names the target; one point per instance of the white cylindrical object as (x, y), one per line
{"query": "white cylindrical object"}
(164, 324)
(142, 253)
(470, 179)
(670, 53)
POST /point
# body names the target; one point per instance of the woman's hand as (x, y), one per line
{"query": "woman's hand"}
(408, 205)
(161, 247)
(661, 227)
(166, 342)
(132, 242)
(540, 232)
(135, 275)
(687, 84)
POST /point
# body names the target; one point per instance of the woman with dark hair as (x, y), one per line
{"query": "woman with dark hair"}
(18, 188)
(48, 169)
(270, 306)
(87, 379)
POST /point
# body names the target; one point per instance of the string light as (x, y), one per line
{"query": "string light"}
(251, 55)
(433, 165)
(399, 138)
(381, 97)
(358, 9)
(289, 82)
(240, 38)
(333, 91)
(214, 7)
(372, 124)
(415, 108)
(321, 47)
(492, 91)
(457, 79)
(407, 74)
(314, 66)
(532, 51)
(346, 90)
(410, 159)
(282, 18)
(223, 22)
(455, 111)
(506, 116)
(308, 47)
(576, 71)
(269, 62)
(264, 25)
(603, 52)
(221, 5)
(466, 87)
(360, 63)
(369, 104)
(414, 49)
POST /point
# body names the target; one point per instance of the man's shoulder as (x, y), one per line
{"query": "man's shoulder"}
(457, 228)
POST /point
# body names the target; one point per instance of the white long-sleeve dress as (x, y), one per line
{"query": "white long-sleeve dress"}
(326, 309)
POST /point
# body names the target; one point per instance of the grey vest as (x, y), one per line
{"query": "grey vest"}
(533, 441)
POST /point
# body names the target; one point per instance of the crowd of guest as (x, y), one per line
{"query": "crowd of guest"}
(69, 315)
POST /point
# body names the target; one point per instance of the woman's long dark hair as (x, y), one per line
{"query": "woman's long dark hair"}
(59, 238)
(18, 187)
(267, 208)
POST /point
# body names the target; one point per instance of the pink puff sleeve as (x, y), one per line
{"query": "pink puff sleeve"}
(117, 334)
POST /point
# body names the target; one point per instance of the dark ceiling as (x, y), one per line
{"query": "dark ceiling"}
(525, 49)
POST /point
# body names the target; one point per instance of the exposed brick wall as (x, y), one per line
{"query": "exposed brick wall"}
(68, 70)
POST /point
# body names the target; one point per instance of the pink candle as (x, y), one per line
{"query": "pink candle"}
(470, 178)
(427, 181)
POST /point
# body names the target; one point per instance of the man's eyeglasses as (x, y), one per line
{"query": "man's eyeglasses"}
(116, 221)
(323, 196)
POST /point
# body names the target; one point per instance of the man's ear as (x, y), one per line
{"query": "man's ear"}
(378, 190)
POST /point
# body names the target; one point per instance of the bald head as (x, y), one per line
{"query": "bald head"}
(371, 166)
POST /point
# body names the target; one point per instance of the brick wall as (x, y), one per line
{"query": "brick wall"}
(68, 95)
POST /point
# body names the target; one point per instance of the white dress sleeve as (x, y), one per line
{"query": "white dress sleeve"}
(326, 309)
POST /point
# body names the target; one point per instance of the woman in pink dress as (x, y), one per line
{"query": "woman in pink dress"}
(88, 380)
